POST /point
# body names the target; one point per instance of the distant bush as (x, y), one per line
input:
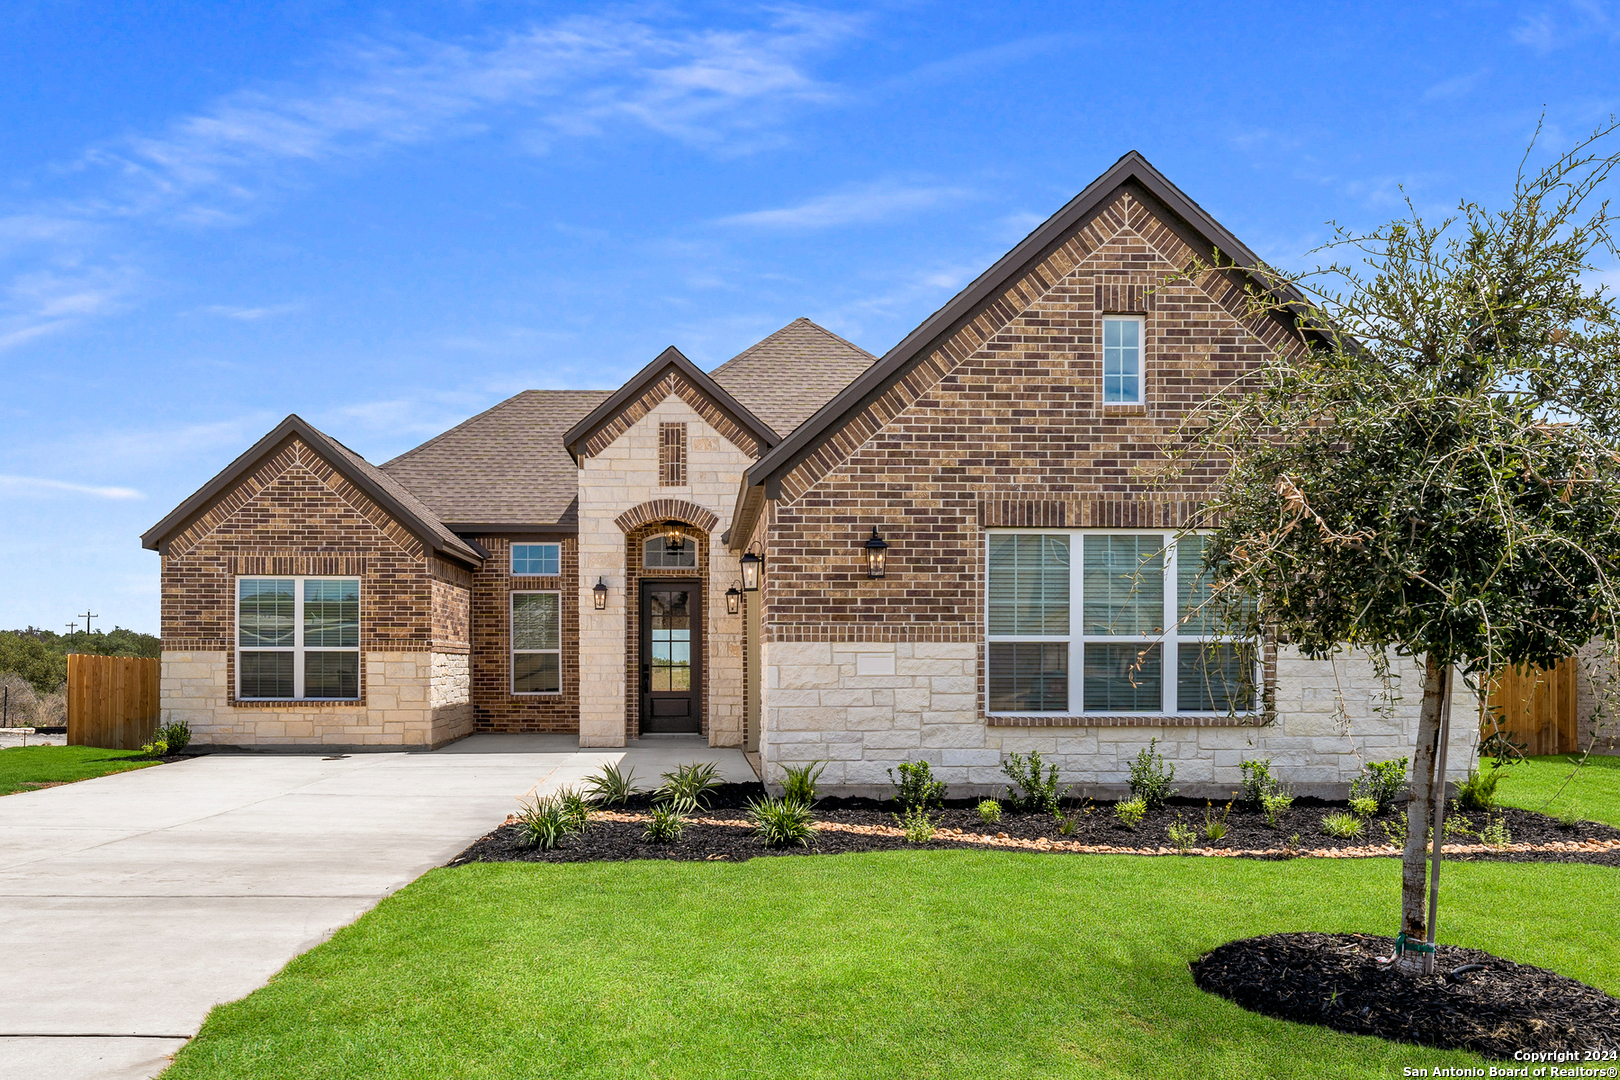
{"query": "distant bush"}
(40, 656)
(176, 734)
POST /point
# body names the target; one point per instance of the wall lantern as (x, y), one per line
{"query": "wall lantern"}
(751, 566)
(674, 539)
(733, 599)
(876, 555)
(599, 595)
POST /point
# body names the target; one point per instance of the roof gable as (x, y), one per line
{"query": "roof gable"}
(372, 482)
(670, 373)
(792, 373)
(993, 298)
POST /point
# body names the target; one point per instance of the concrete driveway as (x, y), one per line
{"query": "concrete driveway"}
(132, 904)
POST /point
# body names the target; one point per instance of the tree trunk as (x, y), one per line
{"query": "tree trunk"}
(1420, 816)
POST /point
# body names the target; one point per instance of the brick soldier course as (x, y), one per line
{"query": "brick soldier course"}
(990, 416)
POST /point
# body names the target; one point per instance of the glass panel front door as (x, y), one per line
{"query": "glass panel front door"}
(672, 650)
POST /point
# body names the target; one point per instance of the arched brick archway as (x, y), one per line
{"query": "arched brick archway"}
(635, 573)
(663, 509)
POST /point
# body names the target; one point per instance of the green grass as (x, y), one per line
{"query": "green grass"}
(895, 964)
(25, 768)
(1539, 784)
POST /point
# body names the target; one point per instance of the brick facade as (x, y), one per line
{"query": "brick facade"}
(495, 707)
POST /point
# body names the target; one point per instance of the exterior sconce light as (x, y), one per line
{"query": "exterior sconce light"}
(876, 555)
(751, 566)
(733, 599)
(674, 539)
(599, 594)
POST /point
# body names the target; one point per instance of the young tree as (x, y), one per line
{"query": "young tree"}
(1438, 480)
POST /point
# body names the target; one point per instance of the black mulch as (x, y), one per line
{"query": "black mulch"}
(1095, 825)
(1335, 980)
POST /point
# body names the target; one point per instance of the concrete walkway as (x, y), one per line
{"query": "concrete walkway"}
(132, 904)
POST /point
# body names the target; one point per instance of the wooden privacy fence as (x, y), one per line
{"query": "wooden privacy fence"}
(112, 701)
(1535, 706)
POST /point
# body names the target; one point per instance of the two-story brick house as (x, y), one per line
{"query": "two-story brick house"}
(575, 561)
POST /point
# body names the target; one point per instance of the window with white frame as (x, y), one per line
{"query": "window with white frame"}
(536, 643)
(536, 560)
(1122, 359)
(297, 638)
(1095, 622)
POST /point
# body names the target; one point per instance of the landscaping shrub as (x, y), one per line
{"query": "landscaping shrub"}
(1478, 792)
(1215, 827)
(1495, 833)
(1038, 792)
(1569, 817)
(801, 782)
(1382, 780)
(667, 821)
(1274, 806)
(155, 748)
(1457, 824)
(543, 824)
(610, 786)
(989, 811)
(690, 783)
(1342, 825)
(780, 822)
(916, 824)
(1182, 836)
(575, 808)
(1130, 812)
(1366, 806)
(1150, 782)
(1258, 781)
(917, 786)
(176, 735)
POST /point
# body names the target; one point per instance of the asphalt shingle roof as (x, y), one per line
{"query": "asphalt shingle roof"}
(792, 373)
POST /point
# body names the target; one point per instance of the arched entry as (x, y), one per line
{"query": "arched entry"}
(666, 643)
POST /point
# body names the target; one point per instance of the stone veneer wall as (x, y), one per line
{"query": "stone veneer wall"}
(920, 700)
(615, 478)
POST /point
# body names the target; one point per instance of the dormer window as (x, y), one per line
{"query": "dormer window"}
(1122, 360)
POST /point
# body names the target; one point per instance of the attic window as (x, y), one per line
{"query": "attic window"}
(1122, 360)
(672, 455)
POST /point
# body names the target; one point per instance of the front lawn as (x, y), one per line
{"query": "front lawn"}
(897, 964)
(1539, 783)
(28, 768)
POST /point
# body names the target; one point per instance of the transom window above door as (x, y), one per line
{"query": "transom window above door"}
(536, 560)
(297, 639)
(1098, 622)
(657, 554)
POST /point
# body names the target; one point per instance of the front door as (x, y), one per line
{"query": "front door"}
(671, 655)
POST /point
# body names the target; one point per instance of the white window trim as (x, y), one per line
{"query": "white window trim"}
(511, 562)
(512, 652)
(297, 648)
(1141, 360)
(1168, 638)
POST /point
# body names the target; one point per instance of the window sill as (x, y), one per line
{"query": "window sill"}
(296, 703)
(1088, 720)
(1120, 409)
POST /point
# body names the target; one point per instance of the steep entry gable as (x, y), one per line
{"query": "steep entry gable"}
(669, 375)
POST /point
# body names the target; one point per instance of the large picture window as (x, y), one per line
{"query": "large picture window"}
(536, 643)
(1127, 613)
(297, 639)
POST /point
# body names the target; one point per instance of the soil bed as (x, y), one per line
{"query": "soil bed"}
(721, 832)
(1336, 981)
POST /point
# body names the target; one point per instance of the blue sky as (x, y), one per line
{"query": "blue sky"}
(386, 218)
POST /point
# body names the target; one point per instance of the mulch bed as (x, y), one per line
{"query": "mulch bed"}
(1336, 981)
(851, 825)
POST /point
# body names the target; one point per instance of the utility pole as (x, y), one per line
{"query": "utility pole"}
(73, 628)
(88, 615)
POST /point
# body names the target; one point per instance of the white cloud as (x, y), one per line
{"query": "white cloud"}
(861, 203)
(250, 314)
(41, 485)
(1556, 26)
(1460, 87)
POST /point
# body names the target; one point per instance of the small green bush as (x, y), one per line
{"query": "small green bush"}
(575, 808)
(1342, 825)
(1364, 807)
(916, 824)
(990, 811)
(917, 786)
(543, 824)
(176, 735)
(1457, 824)
(1569, 817)
(780, 822)
(1030, 790)
(800, 786)
(1150, 781)
(1274, 806)
(1478, 792)
(1495, 833)
(1382, 780)
(1215, 827)
(666, 823)
(1130, 812)
(609, 786)
(1258, 781)
(692, 783)
(155, 748)
(1182, 836)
